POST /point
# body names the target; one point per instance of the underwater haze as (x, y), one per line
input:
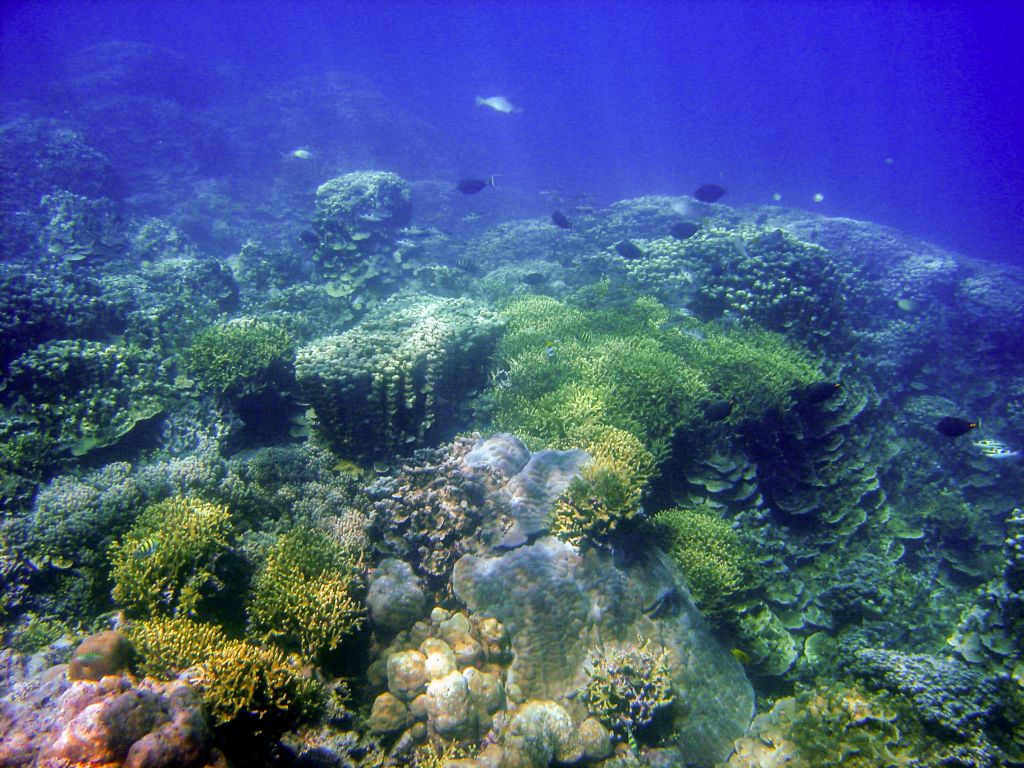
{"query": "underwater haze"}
(511, 384)
(905, 113)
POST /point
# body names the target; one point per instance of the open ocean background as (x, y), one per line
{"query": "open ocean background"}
(904, 113)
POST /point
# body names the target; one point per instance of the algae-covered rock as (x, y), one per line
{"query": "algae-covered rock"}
(385, 385)
(560, 604)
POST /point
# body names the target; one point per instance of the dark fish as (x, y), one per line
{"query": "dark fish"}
(716, 410)
(309, 239)
(559, 220)
(668, 603)
(951, 426)
(628, 250)
(819, 392)
(709, 193)
(684, 230)
(472, 186)
(534, 278)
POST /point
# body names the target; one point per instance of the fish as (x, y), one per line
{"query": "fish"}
(667, 603)
(628, 250)
(375, 217)
(534, 278)
(559, 220)
(684, 230)
(300, 154)
(472, 186)
(819, 392)
(908, 305)
(717, 410)
(741, 656)
(498, 104)
(953, 426)
(995, 449)
(144, 548)
(310, 239)
(467, 266)
(709, 193)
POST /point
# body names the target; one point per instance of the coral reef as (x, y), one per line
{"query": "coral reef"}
(81, 229)
(628, 687)
(357, 219)
(111, 722)
(303, 596)
(238, 356)
(559, 604)
(719, 568)
(168, 557)
(383, 386)
(86, 395)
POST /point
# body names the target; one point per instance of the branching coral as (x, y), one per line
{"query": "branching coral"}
(257, 689)
(303, 596)
(718, 566)
(162, 564)
(165, 646)
(628, 686)
(236, 356)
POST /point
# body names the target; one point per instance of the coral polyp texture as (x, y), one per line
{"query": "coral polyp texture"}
(386, 385)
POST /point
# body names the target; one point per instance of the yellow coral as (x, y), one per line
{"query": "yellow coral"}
(168, 645)
(303, 595)
(162, 563)
(260, 686)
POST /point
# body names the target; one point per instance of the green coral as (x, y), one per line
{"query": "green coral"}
(85, 395)
(168, 556)
(718, 566)
(628, 686)
(236, 356)
(303, 596)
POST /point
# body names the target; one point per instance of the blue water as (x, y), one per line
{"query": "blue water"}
(905, 113)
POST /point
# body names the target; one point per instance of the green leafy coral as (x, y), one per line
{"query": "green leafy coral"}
(303, 597)
(85, 395)
(162, 564)
(719, 568)
(237, 355)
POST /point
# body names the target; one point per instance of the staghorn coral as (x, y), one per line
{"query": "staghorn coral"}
(303, 597)
(716, 562)
(628, 686)
(256, 690)
(167, 645)
(238, 356)
(167, 558)
(385, 385)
